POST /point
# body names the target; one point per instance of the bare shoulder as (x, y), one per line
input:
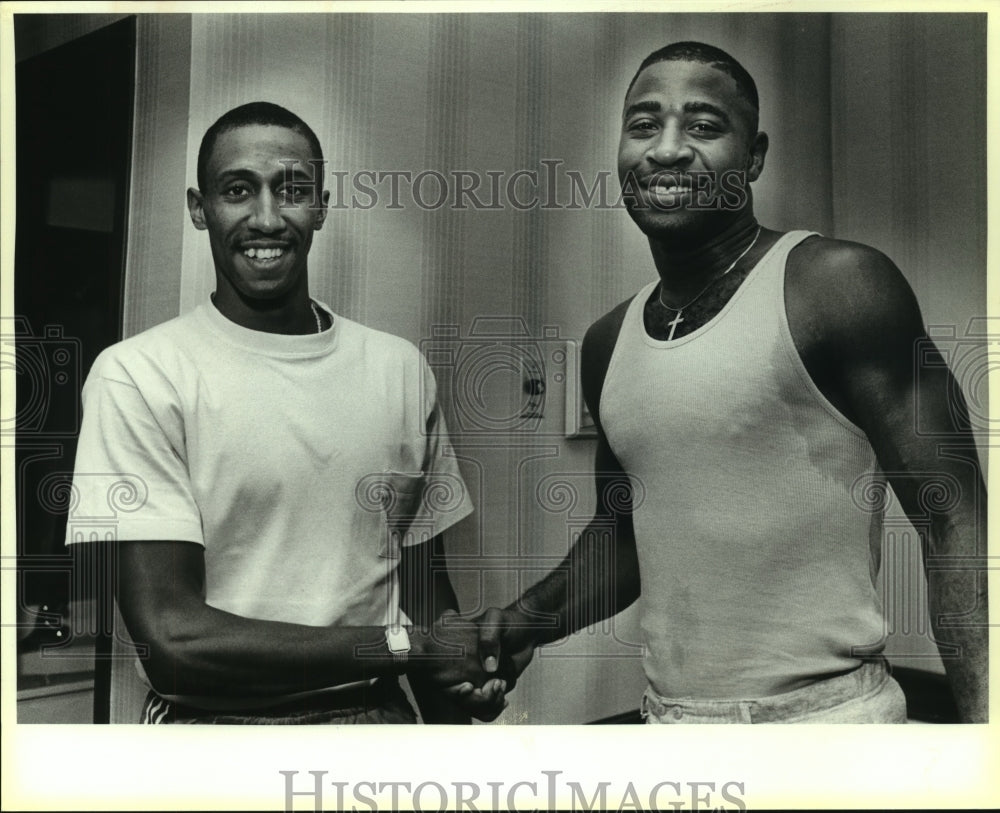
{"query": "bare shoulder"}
(595, 355)
(838, 285)
(825, 263)
(604, 331)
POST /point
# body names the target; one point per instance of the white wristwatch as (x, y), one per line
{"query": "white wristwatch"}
(399, 642)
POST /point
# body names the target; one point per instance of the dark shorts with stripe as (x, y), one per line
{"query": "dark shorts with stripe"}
(381, 702)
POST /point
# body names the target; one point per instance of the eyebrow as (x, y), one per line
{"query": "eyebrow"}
(641, 107)
(689, 107)
(298, 174)
(235, 173)
(707, 107)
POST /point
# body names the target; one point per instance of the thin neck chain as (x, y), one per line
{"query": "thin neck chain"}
(315, 310)
(710, 284)
(319, 322)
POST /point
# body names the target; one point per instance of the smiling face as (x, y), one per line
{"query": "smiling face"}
(260, 223)
(688, 151)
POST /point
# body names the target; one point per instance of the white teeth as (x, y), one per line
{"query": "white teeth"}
(263, 253)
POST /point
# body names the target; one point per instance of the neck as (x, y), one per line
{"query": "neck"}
(684, 267)
(290, 315)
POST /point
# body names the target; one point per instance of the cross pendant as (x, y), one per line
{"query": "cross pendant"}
(673, 326)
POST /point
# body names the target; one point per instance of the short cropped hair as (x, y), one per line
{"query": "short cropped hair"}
(708, 55)
(247, 115)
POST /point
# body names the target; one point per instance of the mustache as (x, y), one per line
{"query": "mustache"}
(709, 190)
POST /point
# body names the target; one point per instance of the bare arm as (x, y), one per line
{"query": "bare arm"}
(600, 575)
(597, 579)
(858, 327)
(196, 649)
(426, 594)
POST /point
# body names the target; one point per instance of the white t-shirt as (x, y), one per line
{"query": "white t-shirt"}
(270, 451)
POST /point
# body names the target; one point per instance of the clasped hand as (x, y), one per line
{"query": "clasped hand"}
(477, 661)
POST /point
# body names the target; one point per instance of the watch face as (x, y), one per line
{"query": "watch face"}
(397, 639)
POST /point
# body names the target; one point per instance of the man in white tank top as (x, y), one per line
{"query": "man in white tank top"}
(748, 400)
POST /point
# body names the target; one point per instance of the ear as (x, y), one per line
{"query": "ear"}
(195, 202)
(321, 214)
(758, 151)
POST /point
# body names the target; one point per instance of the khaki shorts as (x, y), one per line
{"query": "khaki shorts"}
(869, 694)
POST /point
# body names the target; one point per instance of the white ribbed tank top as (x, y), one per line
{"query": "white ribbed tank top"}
(757, 550)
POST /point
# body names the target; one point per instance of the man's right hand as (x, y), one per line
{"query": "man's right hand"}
(506, 643)
(447, 654)
(504, 649)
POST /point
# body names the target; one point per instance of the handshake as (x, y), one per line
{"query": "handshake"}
(475, 661)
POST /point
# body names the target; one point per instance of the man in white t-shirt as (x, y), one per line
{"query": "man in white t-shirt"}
(288, 477)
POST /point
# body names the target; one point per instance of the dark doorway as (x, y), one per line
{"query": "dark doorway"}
(74, 131)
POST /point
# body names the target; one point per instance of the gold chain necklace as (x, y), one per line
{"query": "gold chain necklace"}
(678, 319)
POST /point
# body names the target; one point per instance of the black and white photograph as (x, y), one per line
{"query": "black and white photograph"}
(525, 378)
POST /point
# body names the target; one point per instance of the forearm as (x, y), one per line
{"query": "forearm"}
(194, 648)
(215, 653)
(426, 593)
(955, 559)
(600, 575)
(957, 588)
(599, 578)
(968, 667)
(200, 650)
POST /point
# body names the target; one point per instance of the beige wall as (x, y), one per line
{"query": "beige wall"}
(502, 92)
(157, 220)
(909, 171)
(909, 153)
